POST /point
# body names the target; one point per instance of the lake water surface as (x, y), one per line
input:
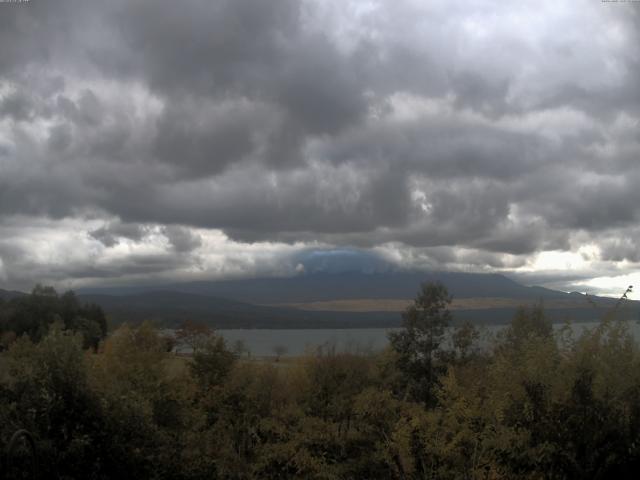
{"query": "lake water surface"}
(262, 342)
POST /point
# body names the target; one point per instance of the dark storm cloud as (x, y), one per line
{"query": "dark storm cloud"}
(430, 126)
(253, 206)
(203, 47)
(444, 148)
(203, 141)
(320, 89)
(136, 264)
(145, 265)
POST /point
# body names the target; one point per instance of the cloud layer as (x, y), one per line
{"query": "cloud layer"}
(143, 140)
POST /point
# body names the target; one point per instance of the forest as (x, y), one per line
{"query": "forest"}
(534, 402)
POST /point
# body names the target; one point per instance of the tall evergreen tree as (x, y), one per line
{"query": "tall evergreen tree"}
(417, 345)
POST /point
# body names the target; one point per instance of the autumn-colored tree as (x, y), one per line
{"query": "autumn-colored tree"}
(193, 335)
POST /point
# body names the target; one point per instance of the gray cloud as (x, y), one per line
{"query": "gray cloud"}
(17, 106)
(442, 129)
(182, 239)
(111, 234)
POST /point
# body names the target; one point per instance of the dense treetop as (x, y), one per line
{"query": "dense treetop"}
(533, 402)
(34, 314)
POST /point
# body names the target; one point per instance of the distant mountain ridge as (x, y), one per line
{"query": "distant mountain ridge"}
(9, 294)
(351, 285)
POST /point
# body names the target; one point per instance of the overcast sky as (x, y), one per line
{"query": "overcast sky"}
(143, 141)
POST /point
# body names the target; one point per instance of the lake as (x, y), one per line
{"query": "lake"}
(262, 342)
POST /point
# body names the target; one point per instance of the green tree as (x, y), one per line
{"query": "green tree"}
(48, 393)
(417, 345)
(33, 315)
